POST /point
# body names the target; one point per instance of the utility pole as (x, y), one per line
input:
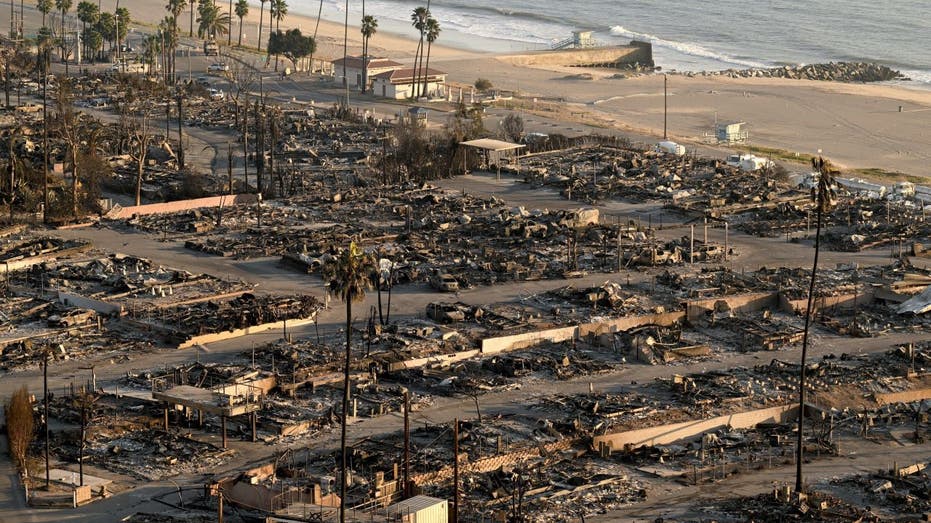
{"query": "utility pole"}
(45, 171)
(456, 470)
(664, 104)
(692, 244)
(726, 227)
(407, 444)
(167, 115)
(180, 134)
(116, 17)
(229, 172)
(45, 414)
(83, 438)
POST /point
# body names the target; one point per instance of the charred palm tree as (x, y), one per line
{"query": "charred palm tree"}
(824, 198)
(348, 276)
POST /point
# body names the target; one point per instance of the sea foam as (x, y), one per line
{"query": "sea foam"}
(685, 48)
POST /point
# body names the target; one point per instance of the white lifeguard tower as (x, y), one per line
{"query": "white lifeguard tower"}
(729, 133)
(579, 40)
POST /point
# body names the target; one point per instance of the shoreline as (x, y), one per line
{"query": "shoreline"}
(841, 119)
(858, 126)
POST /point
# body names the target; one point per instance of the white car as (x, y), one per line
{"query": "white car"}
(218, 67)
(216, 94)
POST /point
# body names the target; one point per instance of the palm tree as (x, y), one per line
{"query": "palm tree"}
(190, 30)
(63, 6)
(242, 9)
(94, 43)
(316, 27)
(229, 28)
(261, 15)
(823, 196)
(88, 13)
(175, 7)
(348, 276)
(122, 27)
(106, 27)
(369, 27)
(150, 50)
(167, 32)
(345, 59)
(276, 11)
(44, 7)
(432, 30)
(211, 21)
(419, 21)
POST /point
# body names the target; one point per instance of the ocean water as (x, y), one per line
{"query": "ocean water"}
(687, 35)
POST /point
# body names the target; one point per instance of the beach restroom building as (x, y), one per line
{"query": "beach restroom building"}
(354, 69)
(398, 84)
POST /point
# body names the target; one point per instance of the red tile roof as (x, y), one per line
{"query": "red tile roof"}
(355, 62)
(400, 76)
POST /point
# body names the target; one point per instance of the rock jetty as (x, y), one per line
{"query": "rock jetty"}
(830, 72)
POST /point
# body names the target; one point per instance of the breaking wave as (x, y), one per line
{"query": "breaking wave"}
(685, 48)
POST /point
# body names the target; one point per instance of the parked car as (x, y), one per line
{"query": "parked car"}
(445, 312)
(748, 162)
(71, 318)
(216, 94)
(211, 48)
(202, 81)
(444, 282)
(218, 67)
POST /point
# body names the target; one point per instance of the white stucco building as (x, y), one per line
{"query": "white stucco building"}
(398, 83)
(353, 70)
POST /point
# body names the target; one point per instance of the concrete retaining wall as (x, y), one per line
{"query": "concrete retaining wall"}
(235, 333)
(665, 434)
(907, 396)
(76, 300)
(25, 263)
(637, 52)
(439, 359)
(844, 301)
(630, 322)
(740, 303)
(181, 205)
(528, 339)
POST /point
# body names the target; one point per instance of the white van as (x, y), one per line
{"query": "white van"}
(669, 148)
(748, 162)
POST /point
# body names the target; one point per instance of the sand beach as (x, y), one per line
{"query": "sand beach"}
(858, 126)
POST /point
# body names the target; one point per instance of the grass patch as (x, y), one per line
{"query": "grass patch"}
(875, 173)
(780, 154)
